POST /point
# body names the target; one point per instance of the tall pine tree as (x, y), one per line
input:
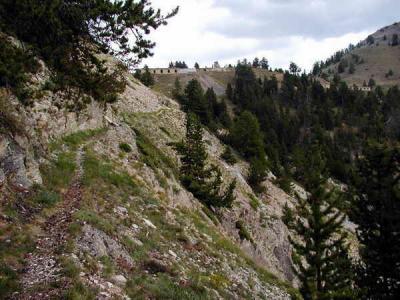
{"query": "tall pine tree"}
(319, 248)
(204, 182)
(377, 213)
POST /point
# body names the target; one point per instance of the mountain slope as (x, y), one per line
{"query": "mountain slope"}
(373, 58)
(164, 83)
(92, 207)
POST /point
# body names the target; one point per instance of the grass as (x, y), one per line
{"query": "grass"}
(96, 170)
(163, 287)
(78, 138)
(47, 198)
(154, 157)
(96, 220)
(125, 147)
(58, 174)
(254, 203)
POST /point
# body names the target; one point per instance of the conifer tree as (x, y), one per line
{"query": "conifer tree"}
(228, 156)
(204, 182)
(69, 34)
(247, 138)
(229, 92)
(195, 101)
(377, 214)
(319, 248)
(264, 63)
(146, 77)
(256, 63)
(177, 91)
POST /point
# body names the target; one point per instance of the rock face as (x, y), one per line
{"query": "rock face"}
(98, 244)
(161, 121)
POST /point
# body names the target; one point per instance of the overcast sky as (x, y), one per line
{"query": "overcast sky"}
(302, 31)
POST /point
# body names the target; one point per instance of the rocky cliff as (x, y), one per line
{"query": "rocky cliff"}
(91, 205)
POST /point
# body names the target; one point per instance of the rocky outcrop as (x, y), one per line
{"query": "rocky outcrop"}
(162, 121)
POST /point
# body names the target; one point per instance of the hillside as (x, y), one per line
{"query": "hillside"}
(372, 58)
(92, 207)
(164, 83)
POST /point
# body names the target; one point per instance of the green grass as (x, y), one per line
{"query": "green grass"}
(47, 198)
(154, 157)
(8, 281)
(96, 220)
(78, 138)
(95, 170)
(59, 173)
(254, 203)
(163, 287)
(125, 147)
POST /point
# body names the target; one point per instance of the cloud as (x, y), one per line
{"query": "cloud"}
(303, 31)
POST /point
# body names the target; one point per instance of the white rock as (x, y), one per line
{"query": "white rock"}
(148, 223)
(119, 280)
(172, 253)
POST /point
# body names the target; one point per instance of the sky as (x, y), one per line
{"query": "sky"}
(302, 31)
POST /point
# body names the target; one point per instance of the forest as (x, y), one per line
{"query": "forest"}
(306, 134)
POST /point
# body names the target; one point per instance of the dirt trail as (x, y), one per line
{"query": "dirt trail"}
(42, 266)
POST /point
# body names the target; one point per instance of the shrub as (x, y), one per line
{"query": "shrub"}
(47, 198)
(228, 156)
(125, 147)
(243, 232)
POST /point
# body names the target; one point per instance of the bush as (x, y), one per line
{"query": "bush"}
(228, 156)
(243, 232)
(47, 198)
(125, 147)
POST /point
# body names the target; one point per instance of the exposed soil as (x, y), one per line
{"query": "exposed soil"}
(42, 267)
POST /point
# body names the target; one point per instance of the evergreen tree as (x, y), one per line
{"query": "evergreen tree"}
(294, 69)
(196, 66)
(247, 89)
(229, 92)
(205, 183)
(247, 138)
(256, 63)
(195, 101)
(147, 78)
(395, 40)
(320, 252)
(264, 63)
(352, 68)
(228, 156)
(377, 214)
(177, 91)
(68, 35)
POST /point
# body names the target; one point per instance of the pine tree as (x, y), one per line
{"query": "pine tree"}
(247, 137)
(195, 101)
(147, 78)
(177, 91)
(204, 182)
(264, 63)
(377, 214)
(319, 248)
(229, 92)
(352, 68)
(69, 34)
(196, 66)
(256, 63)
(228, 156)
